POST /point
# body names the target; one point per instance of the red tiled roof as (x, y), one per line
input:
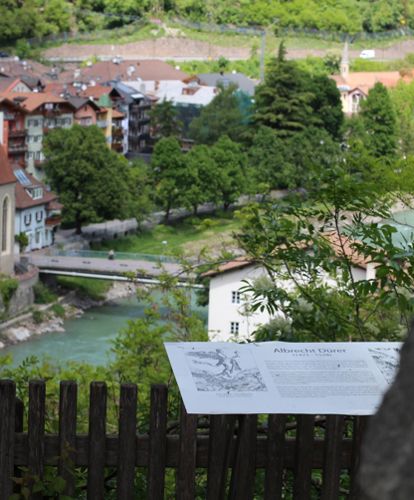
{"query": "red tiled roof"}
(342, 246)
(232, 265)
(30, 101)
(6, 172)
(24, 200)
(117, 114)
(365, 80)
(105, 71)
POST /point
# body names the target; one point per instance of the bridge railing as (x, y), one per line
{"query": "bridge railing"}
(214, 457)
(99, 254)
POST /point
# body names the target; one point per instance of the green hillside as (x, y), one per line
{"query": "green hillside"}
(36, 18)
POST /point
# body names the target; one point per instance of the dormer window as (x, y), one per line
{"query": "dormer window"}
(36, 192)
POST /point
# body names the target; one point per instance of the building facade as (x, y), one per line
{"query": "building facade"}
(7, 211)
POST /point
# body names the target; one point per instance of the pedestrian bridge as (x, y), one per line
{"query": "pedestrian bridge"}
(142, 268)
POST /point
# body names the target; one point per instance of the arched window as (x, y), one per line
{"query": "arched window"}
(5, 225)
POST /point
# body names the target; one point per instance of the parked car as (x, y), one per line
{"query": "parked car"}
(4, 54)
(367, 54)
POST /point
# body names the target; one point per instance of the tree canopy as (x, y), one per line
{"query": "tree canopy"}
(90, 179)
(227, 114)
(290, 99)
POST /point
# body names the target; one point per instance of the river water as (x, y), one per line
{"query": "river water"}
(86, 339)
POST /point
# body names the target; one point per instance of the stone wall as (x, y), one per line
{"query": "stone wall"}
(23, 297)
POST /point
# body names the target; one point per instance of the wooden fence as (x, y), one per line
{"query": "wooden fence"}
(235, 453)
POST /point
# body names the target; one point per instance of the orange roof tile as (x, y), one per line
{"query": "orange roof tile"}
(365, 80)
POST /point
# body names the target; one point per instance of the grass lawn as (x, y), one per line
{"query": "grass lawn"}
(188, 237)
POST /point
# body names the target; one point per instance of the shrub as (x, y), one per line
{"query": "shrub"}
(58, 310)
(43, 294)
(38, 316)
(7, 288)
(23, 240)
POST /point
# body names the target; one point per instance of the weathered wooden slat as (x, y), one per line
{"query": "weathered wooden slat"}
(173, 447)
(7, 426)
(303, 457)
(332, 459)
(127, 442)
(359, 428)
(96, 442)
(157, 443)
(36, 429)
(275, 457)
(242, 476)
(18, 427)
(67, 434)
(185, 478)
(221, 436)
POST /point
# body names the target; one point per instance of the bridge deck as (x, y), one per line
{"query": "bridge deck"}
(104, 266)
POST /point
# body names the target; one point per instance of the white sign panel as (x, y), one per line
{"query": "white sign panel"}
(280, 377)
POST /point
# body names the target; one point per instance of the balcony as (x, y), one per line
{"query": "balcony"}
(17, 133)
(53, 220)
(117, 132)
(17, 148)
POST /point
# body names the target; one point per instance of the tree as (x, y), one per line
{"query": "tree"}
(90, 179)
(231, 162)
(378, 117)
(164, 121)
(291, 99)
(326, 104)
(200, 182)
(141, 190)
(277, 162)
(167, 170)
(402, 97)
(313, 245)
(227, 114)
(282, 103)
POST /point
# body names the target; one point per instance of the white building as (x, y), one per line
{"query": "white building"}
(37, 210)
(229, 312)
(229, 315)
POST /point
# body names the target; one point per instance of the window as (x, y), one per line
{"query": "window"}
(5, 225)
(234, 328)
(28, 219)
(37, 237)
(39, 216)
(235, 297)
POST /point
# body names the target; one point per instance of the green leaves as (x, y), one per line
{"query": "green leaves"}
(91, 180)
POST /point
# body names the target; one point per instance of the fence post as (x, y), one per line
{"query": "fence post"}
(242, 475)
(359, 428)
(7, 410)
(220, 441)
(332, 456)
(127, 445)
(185, 481)
(275, 457)
(67, 434)
(157, 443)
(36, 430)
(303, 456)
(97, 441)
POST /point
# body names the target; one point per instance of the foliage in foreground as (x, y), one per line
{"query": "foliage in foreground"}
(311, 247)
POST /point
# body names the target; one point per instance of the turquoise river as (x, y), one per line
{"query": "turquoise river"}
(87, 338)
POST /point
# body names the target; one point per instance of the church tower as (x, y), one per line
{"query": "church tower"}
(345, 61)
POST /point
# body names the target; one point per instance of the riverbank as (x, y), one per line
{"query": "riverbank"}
(47, 318)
